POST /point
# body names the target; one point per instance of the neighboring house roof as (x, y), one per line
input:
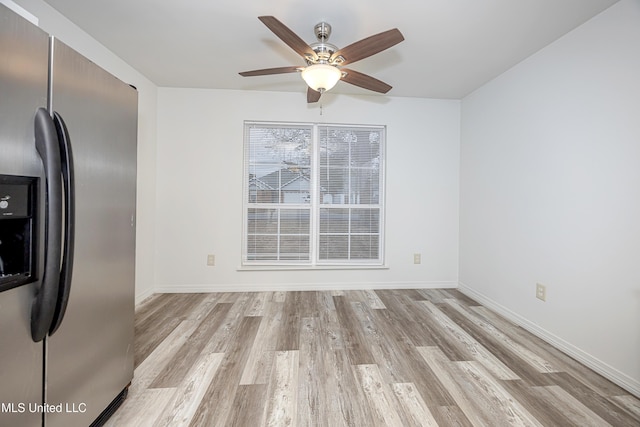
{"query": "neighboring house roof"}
(278, 180)
(261, 185)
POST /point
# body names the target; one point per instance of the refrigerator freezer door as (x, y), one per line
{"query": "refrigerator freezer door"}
(21, 358)
(23, 88)
(90, 356)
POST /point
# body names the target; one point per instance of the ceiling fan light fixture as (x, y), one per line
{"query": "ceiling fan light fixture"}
(321, 77)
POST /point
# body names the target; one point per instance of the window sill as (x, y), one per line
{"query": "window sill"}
(291, 267)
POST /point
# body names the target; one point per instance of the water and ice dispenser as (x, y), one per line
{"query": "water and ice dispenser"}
(18, 226)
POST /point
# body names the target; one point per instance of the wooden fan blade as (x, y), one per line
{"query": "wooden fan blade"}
(289, 37)
(267, 71)
(364, 81)
(369, 46)
(312, 95)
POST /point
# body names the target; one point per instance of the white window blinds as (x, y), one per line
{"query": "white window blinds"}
(349, 196)
(313, 194)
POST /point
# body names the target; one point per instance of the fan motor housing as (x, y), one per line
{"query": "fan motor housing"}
(322, 31)
(323, 49)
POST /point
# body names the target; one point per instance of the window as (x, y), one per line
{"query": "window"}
(313, 194)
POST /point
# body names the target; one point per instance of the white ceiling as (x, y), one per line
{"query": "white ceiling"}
(451, 47)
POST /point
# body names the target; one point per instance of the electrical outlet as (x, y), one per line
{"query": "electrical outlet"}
(417, 258)
(541, 292)
(211, 260)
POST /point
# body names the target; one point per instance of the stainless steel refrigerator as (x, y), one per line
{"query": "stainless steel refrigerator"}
(67, 232)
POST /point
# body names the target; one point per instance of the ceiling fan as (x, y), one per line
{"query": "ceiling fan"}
(325, 62)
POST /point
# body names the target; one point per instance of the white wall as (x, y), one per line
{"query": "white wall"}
(59, 26)
(550, 193)
(199, 210)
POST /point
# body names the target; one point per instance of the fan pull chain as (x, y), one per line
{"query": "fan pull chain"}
(320, 109)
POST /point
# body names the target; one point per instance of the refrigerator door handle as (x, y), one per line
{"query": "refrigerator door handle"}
(44, 301)
(68, 182)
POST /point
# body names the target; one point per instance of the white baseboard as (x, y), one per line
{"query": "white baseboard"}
(271, 287)
(630, 384)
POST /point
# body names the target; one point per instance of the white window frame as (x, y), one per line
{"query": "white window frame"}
(315, 204)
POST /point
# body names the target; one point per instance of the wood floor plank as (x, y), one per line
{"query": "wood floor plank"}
(144, 347)
(190, 391)
(226, 332)
(410, 294)
(329, 327)
(184, 359)
(369, 298)
(282, 396)
(420, 357)
(461, 298)
(560, 360)
(258, 367)
(523, 363)
(492, 398)
(487, 330)
(398, 360)
(146, 411)
(310, 304)
(258, 303)
(152, 329)
(477, 350)
(481, 399)
(248, 407)
(216, 404)
(379, 396)
(412, 367)
(597, 403)
(149, 306)
(424, 331)
(629, 405)
(353, 409)
(578, 414)
(149, 369)
(413, 405)
(289, 333)
(321, 385)
(451, 416)
(434, 296)
(535, 400)
(357, 347)
(385, 353)
(311, 390)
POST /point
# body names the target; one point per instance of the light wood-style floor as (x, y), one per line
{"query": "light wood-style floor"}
(354, 358)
